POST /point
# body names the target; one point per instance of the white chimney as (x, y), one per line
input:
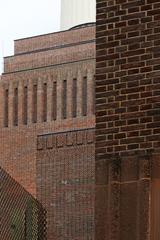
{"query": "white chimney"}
(76, 12)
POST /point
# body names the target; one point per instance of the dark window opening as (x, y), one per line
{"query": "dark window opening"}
(74, 98)
(45, 102)
(54, 101)
(84, 96)
(15, 107)
(34, 104)
(25, 105)
(64, 100)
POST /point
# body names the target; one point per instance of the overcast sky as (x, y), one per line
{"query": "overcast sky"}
(25, 18)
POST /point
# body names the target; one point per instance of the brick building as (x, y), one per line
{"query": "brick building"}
(22, 216)
(47, 126)
(47, 123)
(127, 120)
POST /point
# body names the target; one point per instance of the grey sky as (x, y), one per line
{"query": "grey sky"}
(25, 18)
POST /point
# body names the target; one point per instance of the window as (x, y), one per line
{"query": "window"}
(6, 108)
(15, 107)
(84, 96)
(54, 101)
(34, 104)
(64, 100)
(25, 105)
(74, 98)
(44, 102)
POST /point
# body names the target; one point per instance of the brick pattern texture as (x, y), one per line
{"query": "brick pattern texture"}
(54, 40)
(127, 118)
(66, 183)
(32, 104)
(52, 49)
(127, 75)
(43, 111)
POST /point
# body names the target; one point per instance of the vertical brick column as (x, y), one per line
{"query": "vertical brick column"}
(90, 86)
(79, 94)
(114, 200)
(39, 100)
(59, 97)
(69, 94)
(101, 200)
(127, 109)
(49, 99)
(144, 195)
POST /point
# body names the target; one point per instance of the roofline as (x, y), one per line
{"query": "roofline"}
(85, 25)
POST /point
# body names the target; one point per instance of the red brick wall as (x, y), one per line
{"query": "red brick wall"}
(127, 116)
(18, 146)
(52, 49)
(65, 183)
(128, 74)
(49, 58)
(54, 40)
(18, 143)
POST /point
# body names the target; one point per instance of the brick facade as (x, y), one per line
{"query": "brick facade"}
(127, 119)
(36, 95)
(65, 183)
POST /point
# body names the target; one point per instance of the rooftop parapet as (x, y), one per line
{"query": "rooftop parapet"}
(54, 40)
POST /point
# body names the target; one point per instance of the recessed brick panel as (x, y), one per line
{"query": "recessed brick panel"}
(67, 174)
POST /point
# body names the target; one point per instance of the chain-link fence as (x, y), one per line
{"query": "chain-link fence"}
(22, 216)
